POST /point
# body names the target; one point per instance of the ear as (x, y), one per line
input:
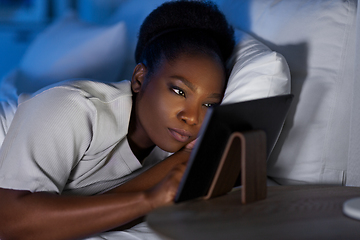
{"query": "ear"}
(138, 77)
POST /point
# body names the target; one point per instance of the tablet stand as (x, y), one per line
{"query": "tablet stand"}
(245, 153)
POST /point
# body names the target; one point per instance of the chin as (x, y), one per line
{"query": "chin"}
(171, 148)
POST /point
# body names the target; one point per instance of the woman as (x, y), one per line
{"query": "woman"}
(79, 158)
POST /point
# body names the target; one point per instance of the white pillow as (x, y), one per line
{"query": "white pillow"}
(257, 72)
(8, 102)
(318, 39)
(70, 48)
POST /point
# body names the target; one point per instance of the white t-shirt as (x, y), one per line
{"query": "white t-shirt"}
(71, 139)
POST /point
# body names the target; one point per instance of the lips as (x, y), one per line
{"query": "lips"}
(180, 135)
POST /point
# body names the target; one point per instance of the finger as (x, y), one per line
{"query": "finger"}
(191, 144)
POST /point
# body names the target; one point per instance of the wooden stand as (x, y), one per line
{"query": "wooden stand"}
(245, 153)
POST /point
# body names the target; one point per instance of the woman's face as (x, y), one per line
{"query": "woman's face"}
(172, 101)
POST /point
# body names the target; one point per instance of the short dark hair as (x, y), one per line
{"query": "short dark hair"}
(184, 27)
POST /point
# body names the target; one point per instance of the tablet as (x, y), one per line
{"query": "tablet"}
(267, 114)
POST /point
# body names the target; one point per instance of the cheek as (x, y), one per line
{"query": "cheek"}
(155, 108)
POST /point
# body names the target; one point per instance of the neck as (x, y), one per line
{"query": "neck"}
(139, 152)
(139, 142)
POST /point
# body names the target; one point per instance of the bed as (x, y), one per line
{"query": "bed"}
(308, 48)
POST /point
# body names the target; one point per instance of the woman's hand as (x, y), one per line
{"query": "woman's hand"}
(164, 192)
(191, 145)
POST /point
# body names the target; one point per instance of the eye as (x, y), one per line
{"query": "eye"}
(209, 105)
(178, 91)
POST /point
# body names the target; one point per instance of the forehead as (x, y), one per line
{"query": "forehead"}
(198, 70)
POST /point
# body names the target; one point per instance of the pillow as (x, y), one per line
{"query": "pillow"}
(257, 71)
(318, 39)
(70, 48)
(8, 102)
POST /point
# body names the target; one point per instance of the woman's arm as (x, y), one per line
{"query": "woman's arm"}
(152, 176)
(26, 215)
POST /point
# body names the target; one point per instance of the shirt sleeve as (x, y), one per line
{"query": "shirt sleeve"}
(41, 147)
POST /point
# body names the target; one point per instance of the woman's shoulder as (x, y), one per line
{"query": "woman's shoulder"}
(88, 89)
(105, 92)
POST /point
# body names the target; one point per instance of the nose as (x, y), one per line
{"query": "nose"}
(190, 115)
